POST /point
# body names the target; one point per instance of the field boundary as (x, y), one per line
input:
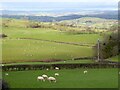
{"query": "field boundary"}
(70, 43)
(61, 66)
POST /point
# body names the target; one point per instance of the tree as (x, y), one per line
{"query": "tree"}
(109, 46)
(3, 35)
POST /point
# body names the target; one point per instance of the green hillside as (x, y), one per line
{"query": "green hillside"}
(24, 44)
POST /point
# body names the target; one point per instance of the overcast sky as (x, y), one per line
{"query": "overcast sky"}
(50, 4)
(108, 1)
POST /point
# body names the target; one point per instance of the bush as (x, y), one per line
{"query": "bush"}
(33, 25)
(109, 46)
(61, 66)
(3, 35)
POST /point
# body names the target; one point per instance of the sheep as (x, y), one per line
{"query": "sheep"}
(44, 76)
(6, 74)
(50, 79)
(47, 69)
(40, 78)
(56, 74)
(85, 71)
(31, 55)
(56, 68)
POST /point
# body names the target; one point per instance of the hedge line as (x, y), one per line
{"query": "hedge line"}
(61, 66)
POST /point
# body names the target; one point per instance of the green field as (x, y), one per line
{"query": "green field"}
(41, 44)
(69, 78)
(59, 62)
(15, 49)
(98, 23)
(30, 50)
(50, 34)
(115, 58)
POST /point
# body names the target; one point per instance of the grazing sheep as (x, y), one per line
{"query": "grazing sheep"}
(56, 74)
(85, 71)
(6, 74)
(52, 79)
(64, 61)
(47, 69)
(40, 78)
(45, 76)
(56, 68)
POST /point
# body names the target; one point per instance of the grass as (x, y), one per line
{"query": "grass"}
(50, 34)
(69, 78)
(15, 50)
(60, 62)
(31, 50)
(94, 22)
(114, 58)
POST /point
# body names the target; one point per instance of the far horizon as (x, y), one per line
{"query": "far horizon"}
(57, 6)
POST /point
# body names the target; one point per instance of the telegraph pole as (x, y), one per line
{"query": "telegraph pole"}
(98, 50)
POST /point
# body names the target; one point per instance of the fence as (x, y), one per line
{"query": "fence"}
(61, 66)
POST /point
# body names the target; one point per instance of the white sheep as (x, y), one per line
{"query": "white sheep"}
(56, 74)
(56, 68)
(44, 76)
(40, 78)
(64, 61)
(51, 79)
(6, 74)
(85, 71)
(47, 69)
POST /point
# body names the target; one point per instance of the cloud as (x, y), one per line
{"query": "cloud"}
(59, 1)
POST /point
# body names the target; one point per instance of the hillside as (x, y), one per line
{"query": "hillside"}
(103, 15)
(42, 41)
(91, 22)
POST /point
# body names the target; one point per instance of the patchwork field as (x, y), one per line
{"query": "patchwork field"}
(30, 50)
(69, 78)
(40, 44)
(37, 46)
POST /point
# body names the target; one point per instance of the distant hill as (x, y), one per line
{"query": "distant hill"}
(105, 15)
(90, 21)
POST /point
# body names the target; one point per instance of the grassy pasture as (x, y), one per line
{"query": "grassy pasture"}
(30, 50)
(69, 78)
(19, 50)
(59, 62)
(115, 58)
(50, 34)
(91, 21)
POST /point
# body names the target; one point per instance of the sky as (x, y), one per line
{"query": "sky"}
(56, 4)
(110, 1)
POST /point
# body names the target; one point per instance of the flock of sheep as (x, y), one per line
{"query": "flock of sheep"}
(45, 77)
(51, 79)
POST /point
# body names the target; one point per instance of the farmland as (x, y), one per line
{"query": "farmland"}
(59, 44)
(46, 45)
(38, 44)
(29, 51)
(69, 78)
